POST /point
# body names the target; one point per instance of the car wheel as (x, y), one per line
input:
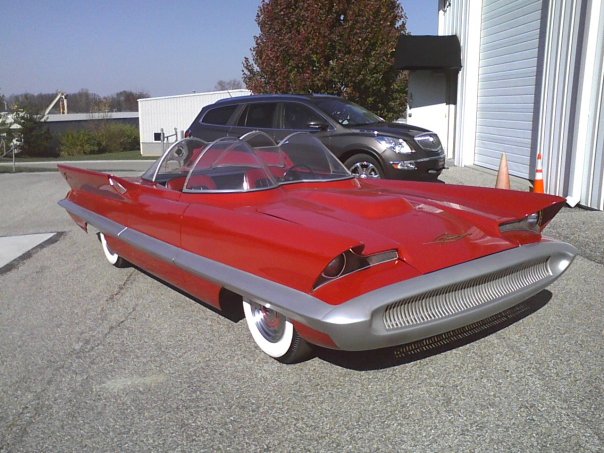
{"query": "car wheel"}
(364, 166)
(112, 257)
(274, 334)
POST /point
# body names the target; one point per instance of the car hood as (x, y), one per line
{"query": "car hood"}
(394, 129)
(428, 235)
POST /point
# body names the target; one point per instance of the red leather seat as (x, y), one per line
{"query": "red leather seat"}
(277, 162)
(257, 179)
(201, 182)
(176, 183)
(197, 182)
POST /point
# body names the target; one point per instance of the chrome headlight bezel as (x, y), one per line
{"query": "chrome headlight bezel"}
(396, 145)
(531, 223)
(351, 261)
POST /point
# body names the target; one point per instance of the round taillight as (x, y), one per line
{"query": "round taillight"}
(335, 267)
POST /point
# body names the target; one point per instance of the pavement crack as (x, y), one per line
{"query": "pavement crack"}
(17, 427)
(88, 345)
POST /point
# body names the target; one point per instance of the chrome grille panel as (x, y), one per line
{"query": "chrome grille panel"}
(452, 299)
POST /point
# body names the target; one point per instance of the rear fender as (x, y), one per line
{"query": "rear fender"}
(99, 192)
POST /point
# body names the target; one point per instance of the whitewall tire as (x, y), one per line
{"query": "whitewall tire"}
(274, 334)
(112, 257)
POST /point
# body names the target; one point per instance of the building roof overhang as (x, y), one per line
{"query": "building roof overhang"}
(428, 52)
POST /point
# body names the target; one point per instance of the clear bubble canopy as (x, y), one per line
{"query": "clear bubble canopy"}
(253, 162)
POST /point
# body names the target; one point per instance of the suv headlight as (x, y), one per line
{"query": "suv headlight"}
(398, 145)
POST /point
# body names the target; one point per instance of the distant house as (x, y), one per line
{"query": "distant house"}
(530, 80)
(60, 123)
(14, 142)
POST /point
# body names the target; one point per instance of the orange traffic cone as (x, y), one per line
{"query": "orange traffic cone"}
(503, 175)
(538, 184)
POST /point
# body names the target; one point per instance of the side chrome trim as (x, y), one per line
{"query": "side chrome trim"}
(298, 306)
(357, 324)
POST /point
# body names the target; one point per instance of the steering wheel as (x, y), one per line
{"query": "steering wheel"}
(293, 173)
(176, 159)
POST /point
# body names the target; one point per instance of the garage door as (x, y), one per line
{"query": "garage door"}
(507, 83)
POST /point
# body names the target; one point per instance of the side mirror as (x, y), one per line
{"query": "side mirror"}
(318, 125)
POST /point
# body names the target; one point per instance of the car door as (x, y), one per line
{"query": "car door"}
(257, 116)
(156, 212)
(297, 117)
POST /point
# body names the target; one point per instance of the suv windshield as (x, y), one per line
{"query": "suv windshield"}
(347, 113)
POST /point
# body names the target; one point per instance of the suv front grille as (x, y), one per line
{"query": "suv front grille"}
(428, 142)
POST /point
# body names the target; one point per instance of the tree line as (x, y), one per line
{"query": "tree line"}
(83, 101)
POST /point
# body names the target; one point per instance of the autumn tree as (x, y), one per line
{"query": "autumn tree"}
(126, 101)
(35, 134)
(81, 101)
(330, 46)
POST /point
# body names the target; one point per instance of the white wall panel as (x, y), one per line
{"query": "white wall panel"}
(173, 112)
(586, 181)
(463, 18)
(509, 50)
(539, 87)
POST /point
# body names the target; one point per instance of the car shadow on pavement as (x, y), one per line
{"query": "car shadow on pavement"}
(232, 308)
(418, 350)
(396, 355)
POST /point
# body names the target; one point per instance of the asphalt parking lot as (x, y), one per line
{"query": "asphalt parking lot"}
(94, 358)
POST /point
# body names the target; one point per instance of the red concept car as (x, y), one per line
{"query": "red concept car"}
(313, 255)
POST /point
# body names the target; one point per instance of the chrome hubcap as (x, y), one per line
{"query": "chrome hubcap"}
(269, 323)
(365, 170)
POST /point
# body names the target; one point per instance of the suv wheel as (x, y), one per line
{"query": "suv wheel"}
(364, 166)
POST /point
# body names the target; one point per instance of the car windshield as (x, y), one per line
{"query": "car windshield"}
(347, 113)
(233, 165)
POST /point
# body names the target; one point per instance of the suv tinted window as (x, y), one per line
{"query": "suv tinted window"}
(258, 115)
(297, 116)
(219, 115)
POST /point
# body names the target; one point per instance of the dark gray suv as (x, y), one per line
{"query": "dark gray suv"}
(368, 146)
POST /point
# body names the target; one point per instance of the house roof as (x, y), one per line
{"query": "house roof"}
(57, 117)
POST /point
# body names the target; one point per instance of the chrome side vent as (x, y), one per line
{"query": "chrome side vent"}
(449, 300)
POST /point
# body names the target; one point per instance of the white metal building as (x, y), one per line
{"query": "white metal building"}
(173, 114)
(531, 80)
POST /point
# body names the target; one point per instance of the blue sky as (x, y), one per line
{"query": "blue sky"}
(161, 47)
